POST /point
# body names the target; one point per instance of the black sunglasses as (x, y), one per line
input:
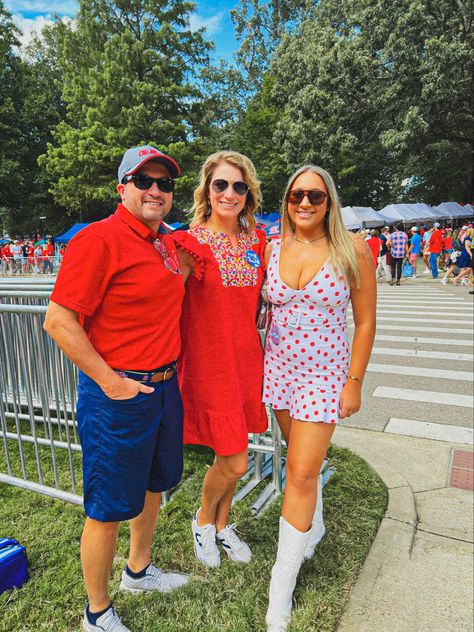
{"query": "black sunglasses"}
(219, 186)
(165, 185)
(315, 196)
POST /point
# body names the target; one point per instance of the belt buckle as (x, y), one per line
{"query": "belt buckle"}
(294, 319)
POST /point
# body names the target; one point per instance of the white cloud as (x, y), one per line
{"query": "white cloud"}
(45, 7)
(212, 25)
(29, 27)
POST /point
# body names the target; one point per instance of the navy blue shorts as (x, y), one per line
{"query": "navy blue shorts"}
(128, 447)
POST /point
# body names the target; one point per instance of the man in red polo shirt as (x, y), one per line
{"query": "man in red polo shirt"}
(435, 246)
(115, 312)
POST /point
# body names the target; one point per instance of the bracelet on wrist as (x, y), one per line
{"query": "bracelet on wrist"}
(355, 378)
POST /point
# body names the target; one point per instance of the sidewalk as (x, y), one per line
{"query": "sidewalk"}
(418, 576)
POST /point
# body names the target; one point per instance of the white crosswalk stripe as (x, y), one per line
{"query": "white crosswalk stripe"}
(396, 369)
(458, 342)
(419, 378)
(431, 397)
(417, 353)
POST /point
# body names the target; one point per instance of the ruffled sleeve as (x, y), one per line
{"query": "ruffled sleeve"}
(262, 242)
(191, 245)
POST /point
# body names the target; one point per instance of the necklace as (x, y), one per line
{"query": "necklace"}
(308, 241)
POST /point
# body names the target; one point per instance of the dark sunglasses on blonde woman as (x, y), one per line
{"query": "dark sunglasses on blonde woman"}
(219, 186)
(315, 196)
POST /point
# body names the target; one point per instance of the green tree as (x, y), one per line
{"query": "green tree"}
(129, 74)
(378, 92)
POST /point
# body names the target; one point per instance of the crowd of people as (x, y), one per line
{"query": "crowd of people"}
(435, 249)
(25, 256)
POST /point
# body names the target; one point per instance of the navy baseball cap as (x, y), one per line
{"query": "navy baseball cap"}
(136, 157)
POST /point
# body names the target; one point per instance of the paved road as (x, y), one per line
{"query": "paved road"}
(420, 377)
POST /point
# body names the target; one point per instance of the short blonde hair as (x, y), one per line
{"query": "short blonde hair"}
(201, 209)
(342, 251)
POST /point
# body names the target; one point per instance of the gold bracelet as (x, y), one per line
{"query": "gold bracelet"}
(356, 379)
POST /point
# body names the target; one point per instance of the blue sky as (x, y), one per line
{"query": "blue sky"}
(212, 14)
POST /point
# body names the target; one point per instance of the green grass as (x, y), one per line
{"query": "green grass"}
(232, 598)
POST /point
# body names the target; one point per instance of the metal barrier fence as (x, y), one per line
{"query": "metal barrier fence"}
(30, 265)
(38, 390)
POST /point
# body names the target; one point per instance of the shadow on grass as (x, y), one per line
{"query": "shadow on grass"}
(232, 598)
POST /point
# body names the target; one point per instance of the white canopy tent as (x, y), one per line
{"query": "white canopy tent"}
(410, 213)
(455, 210)
(370, 216)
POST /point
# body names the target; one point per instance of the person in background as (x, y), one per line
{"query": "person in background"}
(447, 245)
(425, 250)
(383, 268)
(414, 249)
(374, 244)
(398, 246)
(48, 257)
(6, 255)
(38, 255)
(465, 260)
(435, 247)
(451, 267)
(16, 257)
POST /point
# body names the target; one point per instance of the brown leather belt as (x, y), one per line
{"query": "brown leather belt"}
(163, 374)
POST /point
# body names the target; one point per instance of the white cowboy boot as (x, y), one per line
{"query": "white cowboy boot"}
(290, 555)
(317, 529)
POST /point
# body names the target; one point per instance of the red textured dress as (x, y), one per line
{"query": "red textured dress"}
(220, 367)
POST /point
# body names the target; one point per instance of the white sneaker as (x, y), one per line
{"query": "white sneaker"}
(427, 272)
(235, 548)
(108, 622)
(154, 579)
(205, 545)
(464, 282)
(444, 281)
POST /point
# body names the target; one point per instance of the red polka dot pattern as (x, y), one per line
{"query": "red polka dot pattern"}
(306, 362)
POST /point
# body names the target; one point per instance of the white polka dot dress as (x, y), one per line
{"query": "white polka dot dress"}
(306, 349)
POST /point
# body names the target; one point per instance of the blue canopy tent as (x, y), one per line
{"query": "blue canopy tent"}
(66, 235)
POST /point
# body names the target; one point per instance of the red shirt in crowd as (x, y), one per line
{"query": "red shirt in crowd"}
(436, 242)
(374, 245)
(6, 252)
(448, 242)
(129, 302)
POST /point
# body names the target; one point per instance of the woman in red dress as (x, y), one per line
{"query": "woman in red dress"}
(221, 362)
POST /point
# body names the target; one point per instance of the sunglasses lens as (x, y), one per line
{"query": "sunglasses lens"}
(316, 197)
(295, 197)
(241, 188)
(165, 184)
(220, 185)
(142, 182)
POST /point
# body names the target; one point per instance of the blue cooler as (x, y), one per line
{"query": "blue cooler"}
(13, 564)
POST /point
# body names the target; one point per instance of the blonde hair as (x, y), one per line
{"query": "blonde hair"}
(342, 252)
(201, 209)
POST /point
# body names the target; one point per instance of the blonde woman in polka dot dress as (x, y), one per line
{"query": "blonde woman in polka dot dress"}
(312, 380)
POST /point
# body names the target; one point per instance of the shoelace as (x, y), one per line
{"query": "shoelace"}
(231, 536)
(153, 571)
(208, 538)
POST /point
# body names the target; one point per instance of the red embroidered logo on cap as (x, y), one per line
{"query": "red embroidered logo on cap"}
(145, 152)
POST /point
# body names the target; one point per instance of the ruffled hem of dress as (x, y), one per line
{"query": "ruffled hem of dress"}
(294, 401)
(215, 431)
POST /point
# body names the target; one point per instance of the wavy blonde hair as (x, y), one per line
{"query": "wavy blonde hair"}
(201, 210)
(342, 252)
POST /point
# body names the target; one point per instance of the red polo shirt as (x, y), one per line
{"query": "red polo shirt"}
(129, 303)
(436, 242)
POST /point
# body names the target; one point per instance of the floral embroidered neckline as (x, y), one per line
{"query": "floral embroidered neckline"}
(235, 270)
